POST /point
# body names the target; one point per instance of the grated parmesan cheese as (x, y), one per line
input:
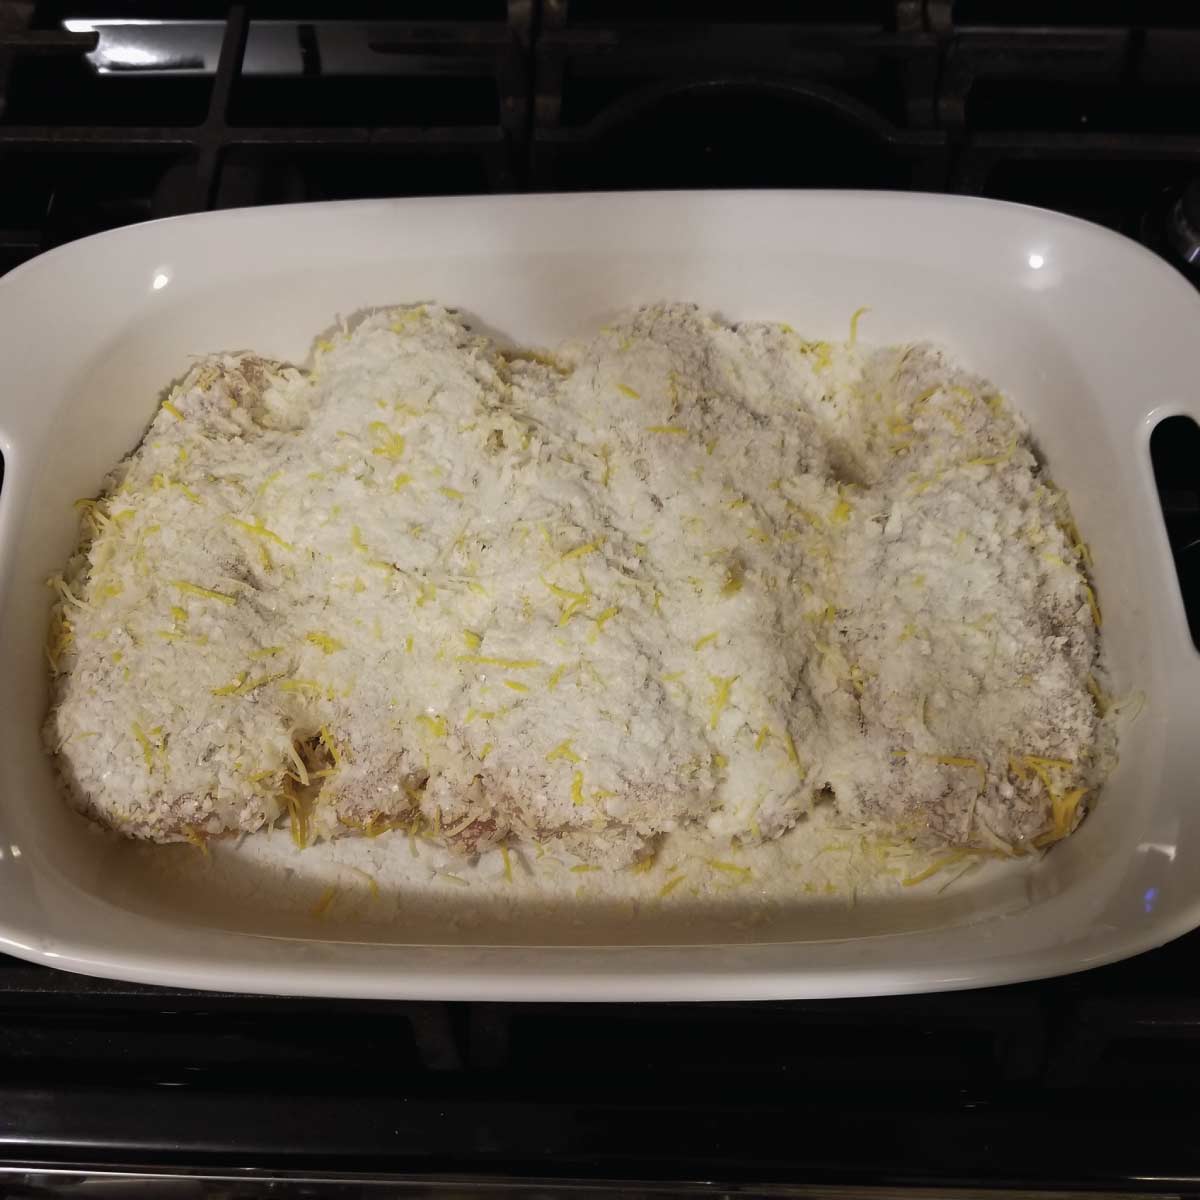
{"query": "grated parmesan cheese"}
(906, 627)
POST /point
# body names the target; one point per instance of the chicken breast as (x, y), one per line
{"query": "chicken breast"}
(680, 574)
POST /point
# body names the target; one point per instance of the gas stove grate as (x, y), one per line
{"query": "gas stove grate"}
(1087, 108)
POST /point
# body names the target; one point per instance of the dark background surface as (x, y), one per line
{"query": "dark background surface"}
(1091, 108)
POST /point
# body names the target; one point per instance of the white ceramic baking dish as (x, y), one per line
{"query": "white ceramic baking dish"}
(1092, 336)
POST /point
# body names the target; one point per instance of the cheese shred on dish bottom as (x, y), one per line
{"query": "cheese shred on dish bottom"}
(680, 576)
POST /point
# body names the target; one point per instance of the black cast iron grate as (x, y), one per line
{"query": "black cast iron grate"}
(78, 152)
(1087, 106)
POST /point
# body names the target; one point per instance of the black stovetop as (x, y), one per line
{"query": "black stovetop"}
(1089, 1081)
(1087, 106)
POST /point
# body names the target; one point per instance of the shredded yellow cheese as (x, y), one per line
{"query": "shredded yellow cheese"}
(841, 512)
(327, 644)
(266, 483)
(194, 589)
(437, 726)
(992, 460)
(302, 685)
(59, 639)
(388, 443)
(1063, 809)
(605, 616)
(1037, 761)
(372, 884)
(789, 744)
(822, 353)
(148, 748)
(330, 745)
(973, 764)
(298, 763)
(1101, 698)
(858, 312)
(584, 550)
(511, 664)
(728, 868)
(231, 689)
(259, 530)
(196, 838)
(564, 751)
(723, 685)
(934, 868)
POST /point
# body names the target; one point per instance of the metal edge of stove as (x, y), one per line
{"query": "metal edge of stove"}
(35, 1180)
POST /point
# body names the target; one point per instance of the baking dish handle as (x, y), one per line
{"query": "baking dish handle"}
(7, 456)
(1175, 462)
(12, 464)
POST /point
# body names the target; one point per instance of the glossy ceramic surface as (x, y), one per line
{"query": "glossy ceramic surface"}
(1092, 336)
